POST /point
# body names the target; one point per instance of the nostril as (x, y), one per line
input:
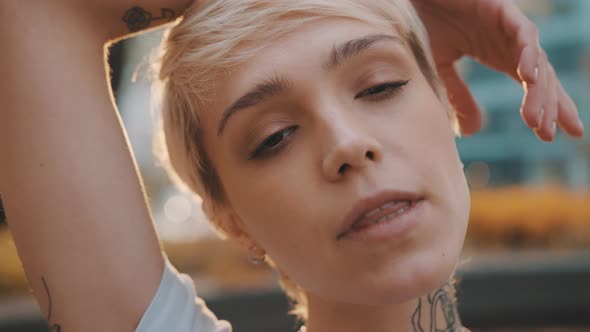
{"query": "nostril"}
(343, 168)
(370, 155)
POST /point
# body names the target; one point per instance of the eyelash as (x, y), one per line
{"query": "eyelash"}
(283, 134)
(373, 94)
(381, 91)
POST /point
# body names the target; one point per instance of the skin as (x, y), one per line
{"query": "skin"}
(63, 144)
(497, 34)
(410, 135)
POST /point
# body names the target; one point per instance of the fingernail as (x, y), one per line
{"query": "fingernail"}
(536, 73)
(540, 119)
(553, 129)
(581, 124)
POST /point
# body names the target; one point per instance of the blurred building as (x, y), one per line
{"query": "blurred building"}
(506, 151)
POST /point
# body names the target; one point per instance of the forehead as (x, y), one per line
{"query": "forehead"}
(299, 56)
(307, 47)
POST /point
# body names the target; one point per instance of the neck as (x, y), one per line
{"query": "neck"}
(436, 311)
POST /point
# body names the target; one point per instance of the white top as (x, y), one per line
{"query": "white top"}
(176, 307)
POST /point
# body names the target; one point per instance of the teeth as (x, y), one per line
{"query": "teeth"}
(382, 207)
(382, 219)
(372, 212)
(387, 205)
(391, 215)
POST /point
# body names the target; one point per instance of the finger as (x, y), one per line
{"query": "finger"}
(548, 129)
(532, 110)
(528, 66)
(468, 113)
(526, 33)
(568, 117)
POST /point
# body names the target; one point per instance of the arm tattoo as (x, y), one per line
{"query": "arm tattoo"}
(138, 18)
(2, 213)
(54, 327)
(444, 316)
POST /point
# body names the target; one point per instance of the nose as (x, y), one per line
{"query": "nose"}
(351, 152)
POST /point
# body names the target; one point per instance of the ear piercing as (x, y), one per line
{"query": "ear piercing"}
(256, 256)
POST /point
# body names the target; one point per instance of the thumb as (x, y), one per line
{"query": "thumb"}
(465, 106)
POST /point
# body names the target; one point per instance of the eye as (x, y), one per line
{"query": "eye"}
(381, 91)
(273, 143)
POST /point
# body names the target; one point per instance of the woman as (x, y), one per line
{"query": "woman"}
(64, 148)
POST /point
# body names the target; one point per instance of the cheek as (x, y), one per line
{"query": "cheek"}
(270, 202)
(436, 159)
(426, 135)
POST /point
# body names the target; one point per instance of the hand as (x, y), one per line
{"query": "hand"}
(497, 34)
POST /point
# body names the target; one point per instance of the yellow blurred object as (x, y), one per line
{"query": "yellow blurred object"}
(12, 275)
(547, 217)
(543, 215)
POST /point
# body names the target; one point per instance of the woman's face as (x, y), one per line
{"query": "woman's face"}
(337, 115)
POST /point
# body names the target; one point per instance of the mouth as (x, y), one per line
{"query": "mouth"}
(380, 208)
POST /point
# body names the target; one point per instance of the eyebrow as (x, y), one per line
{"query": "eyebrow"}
(351, 48)
(279, 84)
(260, 93)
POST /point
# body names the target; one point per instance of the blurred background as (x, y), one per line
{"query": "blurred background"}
(527, 254)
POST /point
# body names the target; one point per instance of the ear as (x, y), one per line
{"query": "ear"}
(230, 223)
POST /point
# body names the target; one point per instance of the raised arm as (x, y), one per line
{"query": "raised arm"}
(72, 194)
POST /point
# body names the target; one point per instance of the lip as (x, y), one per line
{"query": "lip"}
(372, 202)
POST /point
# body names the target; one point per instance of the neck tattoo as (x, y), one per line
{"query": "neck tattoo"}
(440, 306)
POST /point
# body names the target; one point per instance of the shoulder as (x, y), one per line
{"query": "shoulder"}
(176, 307)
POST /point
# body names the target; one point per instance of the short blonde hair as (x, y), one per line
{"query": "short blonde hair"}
(221, 34)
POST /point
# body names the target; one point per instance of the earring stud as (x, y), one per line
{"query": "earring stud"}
(254, 257)
(256, 260)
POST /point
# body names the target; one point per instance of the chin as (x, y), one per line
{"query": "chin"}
(404, 276)
(409, 278)
(423, 270)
